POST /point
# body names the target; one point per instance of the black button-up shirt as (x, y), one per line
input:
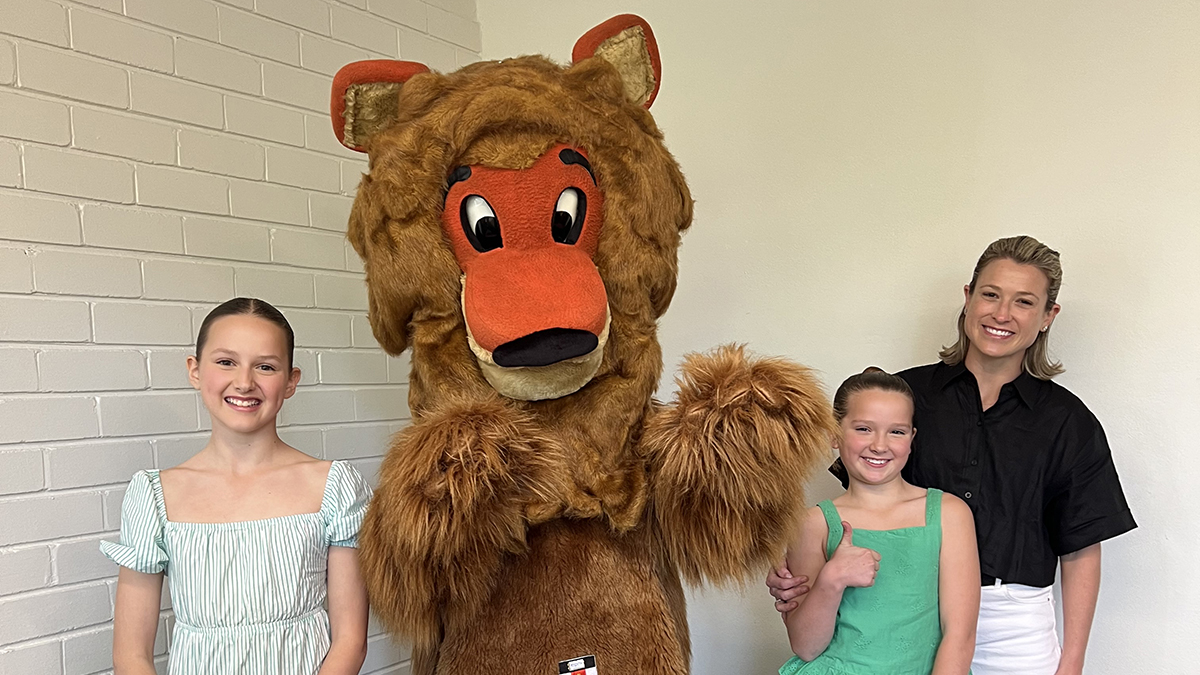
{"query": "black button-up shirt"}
(1035, 468)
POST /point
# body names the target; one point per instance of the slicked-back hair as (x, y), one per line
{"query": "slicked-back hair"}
(871, 379)
(252, 307)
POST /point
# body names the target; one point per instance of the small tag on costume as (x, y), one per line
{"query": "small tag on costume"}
(584, 665)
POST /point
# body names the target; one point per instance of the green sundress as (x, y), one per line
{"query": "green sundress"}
(248, 596)
(892, 627)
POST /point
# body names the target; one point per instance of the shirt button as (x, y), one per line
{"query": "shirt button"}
(967, 495)
(974, 462)
(978, 423)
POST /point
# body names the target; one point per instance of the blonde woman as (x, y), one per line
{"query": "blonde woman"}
(1026, 455)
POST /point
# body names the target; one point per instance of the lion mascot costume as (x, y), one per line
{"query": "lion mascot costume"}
(519, 226)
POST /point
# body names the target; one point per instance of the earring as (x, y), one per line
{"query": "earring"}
(1045, 328)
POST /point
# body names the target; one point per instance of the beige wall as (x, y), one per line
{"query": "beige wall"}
(851, 159)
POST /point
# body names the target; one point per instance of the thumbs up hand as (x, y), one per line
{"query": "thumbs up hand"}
(850, 565)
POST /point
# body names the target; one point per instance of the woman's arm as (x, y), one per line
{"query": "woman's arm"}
(958, 588)
(810, 625)
(135, 622)
(347, 613)
(1080, 590)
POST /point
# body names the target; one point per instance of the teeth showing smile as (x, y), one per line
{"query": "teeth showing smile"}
(876, 462)
(998, 332)
(242, 402)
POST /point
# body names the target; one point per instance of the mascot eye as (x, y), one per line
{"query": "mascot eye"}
(569, 213)
(480, 224)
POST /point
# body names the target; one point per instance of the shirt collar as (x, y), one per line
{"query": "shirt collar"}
(1027, 386)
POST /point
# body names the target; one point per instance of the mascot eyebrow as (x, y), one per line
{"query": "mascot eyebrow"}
(567, 156)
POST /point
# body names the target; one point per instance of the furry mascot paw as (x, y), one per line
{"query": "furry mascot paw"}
(727, 458)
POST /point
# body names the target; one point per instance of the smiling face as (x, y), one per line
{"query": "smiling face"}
(1004, 314)
(243, 373)
(876, 435)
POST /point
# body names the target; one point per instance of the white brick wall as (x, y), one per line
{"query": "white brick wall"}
(157, 158)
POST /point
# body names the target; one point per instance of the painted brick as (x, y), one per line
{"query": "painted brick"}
(192, 17)
(73, 77)
(177, 450)
(47, 612)
(361, 4)
(310, 15)
(24, 570)
(408, 12)
(274, 203)
(142, 324)
(226, 239)
(302, 168)
(20, 370)
(307, 441)
(438, 55)
(316, 405)
(16, 271)
(135, 229)
(329, 212)
(39, 659)
(198, 313)
(369, 468)
(114, 6)
(306, 361)
(88, 652)
(361, 335)
(121, 41)
(50, 516)
(10, 164)
(29, 218)
(22, 471)
(86, 274)
(76, 174)
(352, 173)
(81, 560)
(453, 28)
(97, 463)
(8, 62)
(382, 652)
(156, 413)
(168, 368)
(353, 367)
(37, 20)
(112, 507)
(399, 367)
(283, 289)
(318, 134)
(307, 249)
(464, 8)
(184, 190)
(336, 292)
(43, 320)
(320, 329)
(176, 100)
(221, 153)
(364, 30)
(219, 67)
(360, 440)
(43, 418)
(66, 370)
(353, 262)
(186, 280)
(390, 403)
(269, 39)
(297, 87)
(264, 120)
(327, 56)
(123, 135)
(33, 119)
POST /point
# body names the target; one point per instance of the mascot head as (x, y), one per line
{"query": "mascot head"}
(520, 219)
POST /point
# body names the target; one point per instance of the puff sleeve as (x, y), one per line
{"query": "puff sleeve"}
(345, 505)
(142, 547)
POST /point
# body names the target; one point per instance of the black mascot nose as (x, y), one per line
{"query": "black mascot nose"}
(545, 347)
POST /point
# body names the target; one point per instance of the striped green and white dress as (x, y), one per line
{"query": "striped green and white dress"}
(248, 596)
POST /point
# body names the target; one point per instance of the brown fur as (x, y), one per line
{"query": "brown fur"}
(516, 534)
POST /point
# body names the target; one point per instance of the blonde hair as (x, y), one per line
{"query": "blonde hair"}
(1023, 250)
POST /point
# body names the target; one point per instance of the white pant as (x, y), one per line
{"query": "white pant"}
(1016, 633)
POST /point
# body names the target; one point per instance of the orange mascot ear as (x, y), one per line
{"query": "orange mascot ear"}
(365, 98)
(626, 42)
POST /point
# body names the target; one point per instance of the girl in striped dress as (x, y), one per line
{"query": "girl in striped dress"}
(255, 536)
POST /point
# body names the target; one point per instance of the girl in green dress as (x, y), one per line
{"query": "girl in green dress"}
(895, 567)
